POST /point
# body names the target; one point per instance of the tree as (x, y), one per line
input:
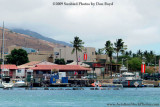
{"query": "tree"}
(118, 46)
(99, 52)
(126, 53)
(17, 57)
(109, 50)
(77, 46)
(150, 57)
(130, 53)
(60, 61)
(135, 64)
(140, 53)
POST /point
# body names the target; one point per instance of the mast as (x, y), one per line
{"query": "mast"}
(3, 50)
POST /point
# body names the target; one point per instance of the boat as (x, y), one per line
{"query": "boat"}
(128, 79)
(5, 81)
(20, 83)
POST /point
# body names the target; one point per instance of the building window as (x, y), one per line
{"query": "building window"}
(92, 53)
(19, 71)
(56, 53)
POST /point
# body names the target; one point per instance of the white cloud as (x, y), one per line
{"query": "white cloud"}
(137, 22)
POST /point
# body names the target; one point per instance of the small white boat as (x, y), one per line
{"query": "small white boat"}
(7, 85)
(20, 83)
(6, 82)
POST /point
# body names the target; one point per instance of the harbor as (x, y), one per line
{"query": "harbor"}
(86, 97)
(79, 53)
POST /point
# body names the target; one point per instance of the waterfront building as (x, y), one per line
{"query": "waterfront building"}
(22, 69)
(9, 70)
(33, 54)
(66, 53)
(72, 71)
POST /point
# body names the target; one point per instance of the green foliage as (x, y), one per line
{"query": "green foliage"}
(113, 62)
(77, 44)
(109, 50)
(134, 64)
(18, 57)
(99, 52)
(119, 47)
(60, 61)
(150, 57)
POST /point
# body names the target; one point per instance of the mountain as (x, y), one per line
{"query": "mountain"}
(39, 36)
(22, 40)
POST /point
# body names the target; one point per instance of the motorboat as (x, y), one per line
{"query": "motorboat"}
(6, 82)
(129, 79)
(20, 83)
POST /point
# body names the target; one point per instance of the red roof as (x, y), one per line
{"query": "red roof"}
(60, 67)
(9, 66)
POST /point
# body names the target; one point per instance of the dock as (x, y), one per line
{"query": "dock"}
(60, 85)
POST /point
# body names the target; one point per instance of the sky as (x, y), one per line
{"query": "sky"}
(137, 22)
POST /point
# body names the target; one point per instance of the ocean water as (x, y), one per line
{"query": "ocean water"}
(126, 97)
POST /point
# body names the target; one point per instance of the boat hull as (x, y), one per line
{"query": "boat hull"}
(129, 83)
(7, 85)
(20, 84)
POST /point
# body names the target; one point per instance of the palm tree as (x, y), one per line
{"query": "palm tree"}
(130, 53)
(151, 57)
(139, 53)
(118, 47)
(77, 46)
(99, 52)
(109, 52)
(126, 53)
